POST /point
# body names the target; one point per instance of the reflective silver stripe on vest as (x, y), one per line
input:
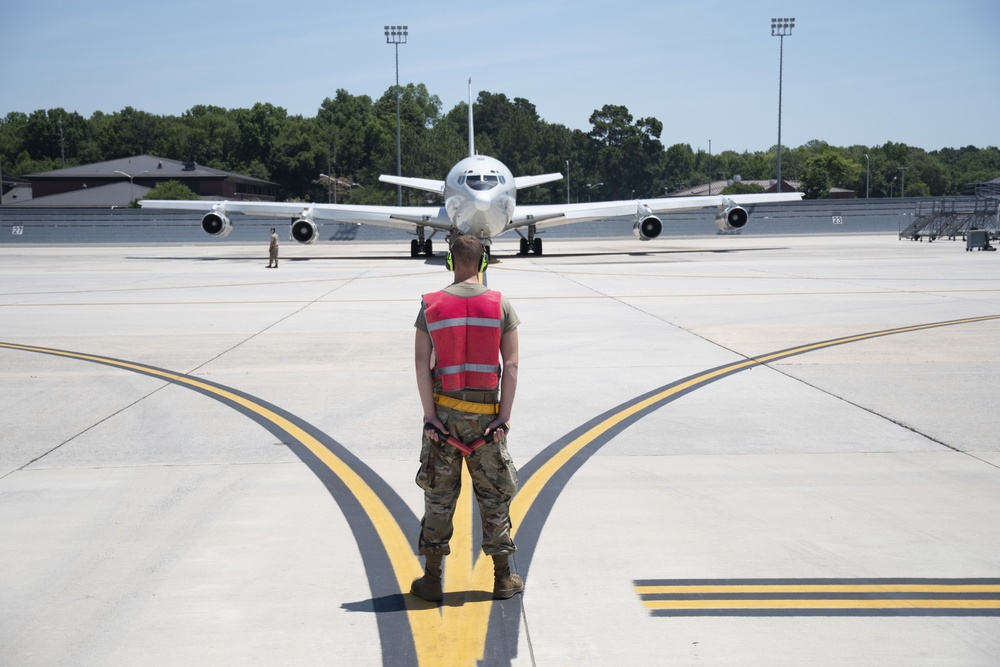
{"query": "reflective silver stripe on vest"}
(463, 321)
(468, 368)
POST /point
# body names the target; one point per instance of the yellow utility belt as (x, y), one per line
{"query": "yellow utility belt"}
(467, 406)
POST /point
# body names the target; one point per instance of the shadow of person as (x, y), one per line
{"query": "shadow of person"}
(397, 602)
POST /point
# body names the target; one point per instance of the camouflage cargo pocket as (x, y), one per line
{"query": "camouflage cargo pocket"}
(497, 473)
(509, 481)
(425, 475)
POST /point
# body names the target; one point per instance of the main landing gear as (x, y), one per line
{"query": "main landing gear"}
(531, 243)
(534, 246)
(421, 247)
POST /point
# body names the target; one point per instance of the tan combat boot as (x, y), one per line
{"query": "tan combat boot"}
(505, 584)
(428, 587)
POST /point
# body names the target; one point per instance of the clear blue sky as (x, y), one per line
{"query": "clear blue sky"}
(922, 72)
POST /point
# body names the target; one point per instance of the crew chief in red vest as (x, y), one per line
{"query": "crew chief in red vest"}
(464, 332)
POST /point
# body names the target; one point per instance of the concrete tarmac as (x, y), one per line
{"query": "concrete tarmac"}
(733, 450)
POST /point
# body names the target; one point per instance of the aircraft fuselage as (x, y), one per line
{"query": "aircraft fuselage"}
(480, 196)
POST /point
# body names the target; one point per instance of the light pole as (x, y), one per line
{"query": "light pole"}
(709, 166)
(590, 188)
(329, 180)
(902, 182)
(396, 34)
(567, 181)
(131, 182)
(868, 172)
(780, 28)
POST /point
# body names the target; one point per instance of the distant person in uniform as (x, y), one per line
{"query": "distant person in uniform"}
(463, 333)
(272, 251)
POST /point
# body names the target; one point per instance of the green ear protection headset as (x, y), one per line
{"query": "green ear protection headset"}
(450, 264)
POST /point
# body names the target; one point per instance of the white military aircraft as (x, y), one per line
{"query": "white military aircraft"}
(480, 198)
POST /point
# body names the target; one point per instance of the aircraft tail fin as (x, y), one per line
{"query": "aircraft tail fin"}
(472, 138)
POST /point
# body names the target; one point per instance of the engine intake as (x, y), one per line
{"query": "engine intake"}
(305, 231)
(647, 228)
(216, 224)
(731, 219)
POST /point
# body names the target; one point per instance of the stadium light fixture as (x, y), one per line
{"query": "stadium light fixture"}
(396, 34)
(781, 28)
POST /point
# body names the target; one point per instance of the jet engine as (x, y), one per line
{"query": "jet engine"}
(731, 219)
(216, 224)
(647, 228)
(305, 231)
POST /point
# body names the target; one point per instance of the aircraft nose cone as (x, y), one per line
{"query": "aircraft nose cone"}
(482, 201)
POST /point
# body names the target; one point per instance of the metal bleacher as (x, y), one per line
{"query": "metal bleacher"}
(952, 218)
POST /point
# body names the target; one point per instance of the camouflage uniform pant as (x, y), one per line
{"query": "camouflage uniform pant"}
(494, 481)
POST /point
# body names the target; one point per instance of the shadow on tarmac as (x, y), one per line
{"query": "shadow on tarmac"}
(397, 602)
(439, 260)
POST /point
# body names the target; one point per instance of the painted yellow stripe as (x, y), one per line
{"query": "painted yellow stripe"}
(433, 631)
(452, 635)
(820, 588)
(400, 553)
(822, 604)
(528, 493)
(462, 627)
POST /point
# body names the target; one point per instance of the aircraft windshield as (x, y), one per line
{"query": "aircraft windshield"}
(484, 182)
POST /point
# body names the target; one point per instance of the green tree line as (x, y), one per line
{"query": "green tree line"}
(353, 138)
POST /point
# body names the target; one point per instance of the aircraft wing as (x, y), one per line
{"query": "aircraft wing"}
(277, 209)
(551, 215)
(521, 182)
(399, 217)
(427, 184)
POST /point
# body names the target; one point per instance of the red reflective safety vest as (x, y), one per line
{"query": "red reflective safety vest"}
(466, 334)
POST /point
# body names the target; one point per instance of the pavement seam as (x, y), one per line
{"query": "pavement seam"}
(272, 325)
(89, 428)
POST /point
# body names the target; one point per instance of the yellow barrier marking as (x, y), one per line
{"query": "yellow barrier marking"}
(863, 596)
(821, 588)
(822, 604)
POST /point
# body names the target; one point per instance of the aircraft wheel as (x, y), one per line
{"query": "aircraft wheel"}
(414, 248)
(524, 247)
(538, 247)
(428, 248)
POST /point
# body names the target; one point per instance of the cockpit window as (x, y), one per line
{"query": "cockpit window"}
(482, 182)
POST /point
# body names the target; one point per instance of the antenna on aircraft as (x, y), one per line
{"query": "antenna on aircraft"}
(472, 140)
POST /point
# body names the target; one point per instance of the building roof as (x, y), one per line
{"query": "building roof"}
(715, 187)
(118, 194)
(148, 166)
(12, 195)
(13, 188)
